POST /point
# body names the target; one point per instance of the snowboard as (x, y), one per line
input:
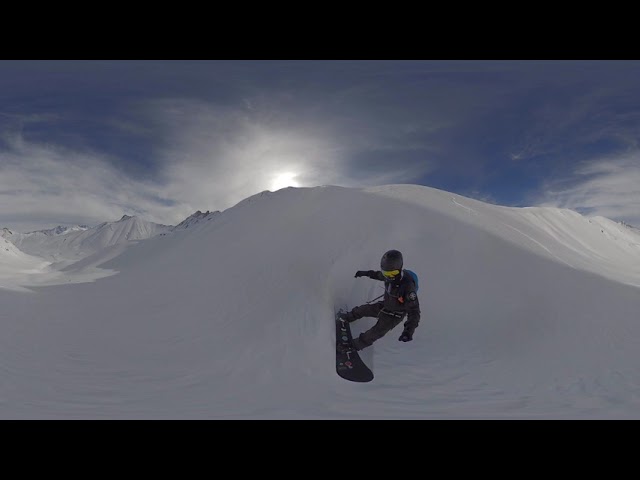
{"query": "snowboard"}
(349, 365)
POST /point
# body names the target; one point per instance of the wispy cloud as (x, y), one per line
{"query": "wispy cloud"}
(213, 156)
(205, 156)
(48, 184)
(609, 187)
(217, 156)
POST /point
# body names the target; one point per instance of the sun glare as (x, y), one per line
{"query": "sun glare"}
(284, 180)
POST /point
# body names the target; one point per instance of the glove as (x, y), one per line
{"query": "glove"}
(360, 273)
(406, 336)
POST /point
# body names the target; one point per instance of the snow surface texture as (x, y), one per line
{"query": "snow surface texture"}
(526, 313)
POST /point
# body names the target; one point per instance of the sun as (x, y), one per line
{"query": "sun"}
(284, 180)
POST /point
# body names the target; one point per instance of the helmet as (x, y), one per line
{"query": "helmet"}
(392, 260)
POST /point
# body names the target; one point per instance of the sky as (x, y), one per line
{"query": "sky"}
(525, 314)
(83, 142)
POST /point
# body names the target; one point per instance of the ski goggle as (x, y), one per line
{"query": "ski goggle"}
(391, 273)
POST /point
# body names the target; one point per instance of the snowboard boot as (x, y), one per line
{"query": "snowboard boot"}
(354, 345)
(345, 347)
(346, 316)
(358, 344)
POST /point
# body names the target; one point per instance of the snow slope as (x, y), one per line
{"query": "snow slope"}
(527, 313)
(16, 264)
(597, 244)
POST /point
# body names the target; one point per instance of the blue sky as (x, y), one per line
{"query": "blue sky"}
(88, 141)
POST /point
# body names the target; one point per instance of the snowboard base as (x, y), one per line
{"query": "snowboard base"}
(349, 365)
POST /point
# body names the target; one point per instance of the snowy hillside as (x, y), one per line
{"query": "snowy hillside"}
(526, 313)
(597, 244)
(10, 254)
(14, 264)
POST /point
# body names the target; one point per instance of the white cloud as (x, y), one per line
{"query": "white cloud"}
(609, 187)
(208, 158)
(215, 156)
(47, 184)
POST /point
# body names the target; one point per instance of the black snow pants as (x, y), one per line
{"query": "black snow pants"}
(386, 322)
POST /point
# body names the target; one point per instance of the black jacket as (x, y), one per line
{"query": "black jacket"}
(400, 296)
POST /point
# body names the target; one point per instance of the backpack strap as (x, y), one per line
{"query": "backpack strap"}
(404, 283)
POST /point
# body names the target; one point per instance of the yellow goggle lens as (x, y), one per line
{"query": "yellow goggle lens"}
(391, 273)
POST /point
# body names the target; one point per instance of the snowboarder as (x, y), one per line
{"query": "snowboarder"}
(400, 300)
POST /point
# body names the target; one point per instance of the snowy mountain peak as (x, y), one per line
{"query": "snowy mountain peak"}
(125, 217)
(5, 232)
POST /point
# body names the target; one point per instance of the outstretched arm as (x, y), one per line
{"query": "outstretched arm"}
(376, 275)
